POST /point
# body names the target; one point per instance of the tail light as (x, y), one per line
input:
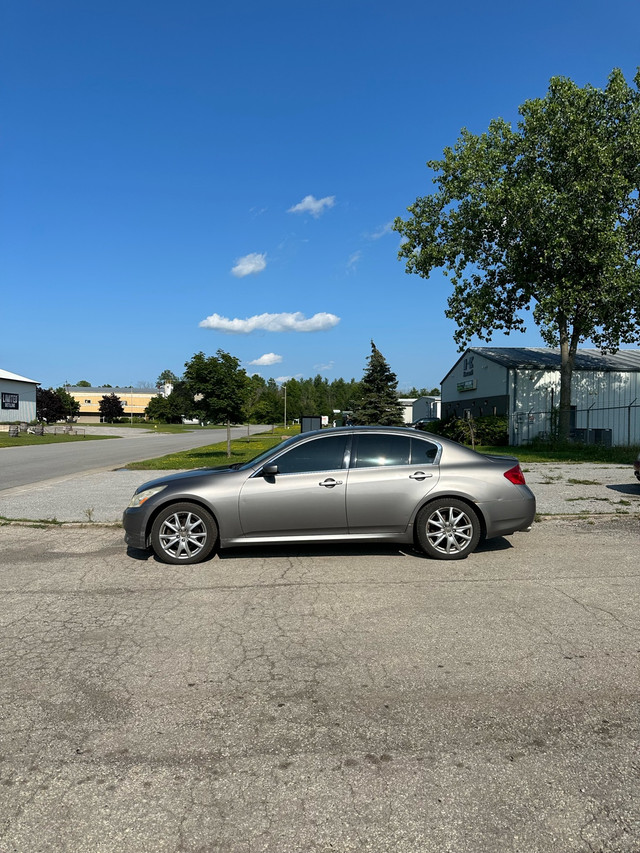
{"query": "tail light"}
(514, 475)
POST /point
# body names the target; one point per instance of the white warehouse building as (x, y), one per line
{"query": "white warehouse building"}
(524, 383)
(17, 398)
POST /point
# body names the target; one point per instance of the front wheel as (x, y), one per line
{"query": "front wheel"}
(448, 529)
(183, 533)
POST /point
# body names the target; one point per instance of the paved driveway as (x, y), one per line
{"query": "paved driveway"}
(321, 699)
(22, 466)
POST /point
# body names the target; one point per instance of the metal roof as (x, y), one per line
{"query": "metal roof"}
(101, 389)
(547, 358)
(14, 377)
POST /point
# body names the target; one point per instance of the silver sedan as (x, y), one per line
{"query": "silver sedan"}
(346, 484)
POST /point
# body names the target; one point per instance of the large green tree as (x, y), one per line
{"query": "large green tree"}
(58, 405)
(378, 402)
(167, 377)
(111, 408)
(219, 386)
(173, 408)
(70, 406)
(542, 218)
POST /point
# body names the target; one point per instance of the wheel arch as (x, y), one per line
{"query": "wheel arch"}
(429, 499)
(176, 499)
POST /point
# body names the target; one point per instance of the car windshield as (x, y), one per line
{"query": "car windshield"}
(257, 460)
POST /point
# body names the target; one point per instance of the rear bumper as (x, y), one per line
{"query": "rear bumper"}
(502, 518)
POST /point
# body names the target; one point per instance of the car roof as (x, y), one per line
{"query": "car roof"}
(411, 432)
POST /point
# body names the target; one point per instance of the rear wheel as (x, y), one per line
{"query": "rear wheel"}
(183, 533)
(448, 529)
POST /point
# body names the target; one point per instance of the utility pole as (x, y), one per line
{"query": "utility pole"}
(285, 404)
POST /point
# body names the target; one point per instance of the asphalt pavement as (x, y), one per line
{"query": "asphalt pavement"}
(308, 699)
(21, 466)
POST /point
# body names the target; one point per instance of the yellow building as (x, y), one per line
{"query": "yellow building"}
(134, 400)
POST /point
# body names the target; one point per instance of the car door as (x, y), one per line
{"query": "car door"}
(305, 497)
(389, 476)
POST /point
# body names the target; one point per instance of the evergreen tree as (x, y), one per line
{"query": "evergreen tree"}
(379, 401)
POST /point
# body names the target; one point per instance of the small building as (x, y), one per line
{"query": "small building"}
(134, 400)
(524, 383)
(17, 398)
(415, 408)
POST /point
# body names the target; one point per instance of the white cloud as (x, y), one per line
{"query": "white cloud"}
(324, 367)
(249, 265)
(285, 322)
(266, 359)
(314, 206)
(282, 379)
(385, 229)
(353, 260)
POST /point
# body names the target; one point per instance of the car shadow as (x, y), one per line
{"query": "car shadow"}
(339, 549)
(499, 543)
(626, 488)
(345, 549)
(141, 554)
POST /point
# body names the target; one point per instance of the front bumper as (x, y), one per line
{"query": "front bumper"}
(134, 521)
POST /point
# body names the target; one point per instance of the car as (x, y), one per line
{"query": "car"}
(636, 467)
(387, 484)
(421, 423)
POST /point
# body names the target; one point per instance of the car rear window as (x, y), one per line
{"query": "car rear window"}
(377, 450)
(423, 452)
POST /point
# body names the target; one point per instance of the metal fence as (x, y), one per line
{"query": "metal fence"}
(607, 426)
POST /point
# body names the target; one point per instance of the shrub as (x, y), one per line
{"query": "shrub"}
(488, 430)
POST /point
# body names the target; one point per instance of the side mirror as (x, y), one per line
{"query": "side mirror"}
(270, 470)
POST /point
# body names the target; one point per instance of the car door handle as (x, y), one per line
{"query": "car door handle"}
(420, 475)
(330, 483)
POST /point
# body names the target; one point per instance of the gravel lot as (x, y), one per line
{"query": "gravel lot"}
(101, 497)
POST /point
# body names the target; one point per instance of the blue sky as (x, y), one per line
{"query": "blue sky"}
(186, 176)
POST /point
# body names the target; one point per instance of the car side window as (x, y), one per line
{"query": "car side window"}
(423, 452)
(321, 454)
(375, 451)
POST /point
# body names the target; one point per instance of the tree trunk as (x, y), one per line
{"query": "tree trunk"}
(567, 360)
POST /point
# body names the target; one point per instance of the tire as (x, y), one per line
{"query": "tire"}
(448, 529)
(183, 533)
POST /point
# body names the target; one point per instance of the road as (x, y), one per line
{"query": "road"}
(20, 466)
(317, 700)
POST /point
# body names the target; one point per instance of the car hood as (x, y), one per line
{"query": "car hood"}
(187, 475)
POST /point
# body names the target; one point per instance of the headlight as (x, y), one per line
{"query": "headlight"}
(140, 497)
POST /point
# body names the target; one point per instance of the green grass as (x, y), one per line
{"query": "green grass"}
(24, 438)
(242, 449)
(569, 453)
